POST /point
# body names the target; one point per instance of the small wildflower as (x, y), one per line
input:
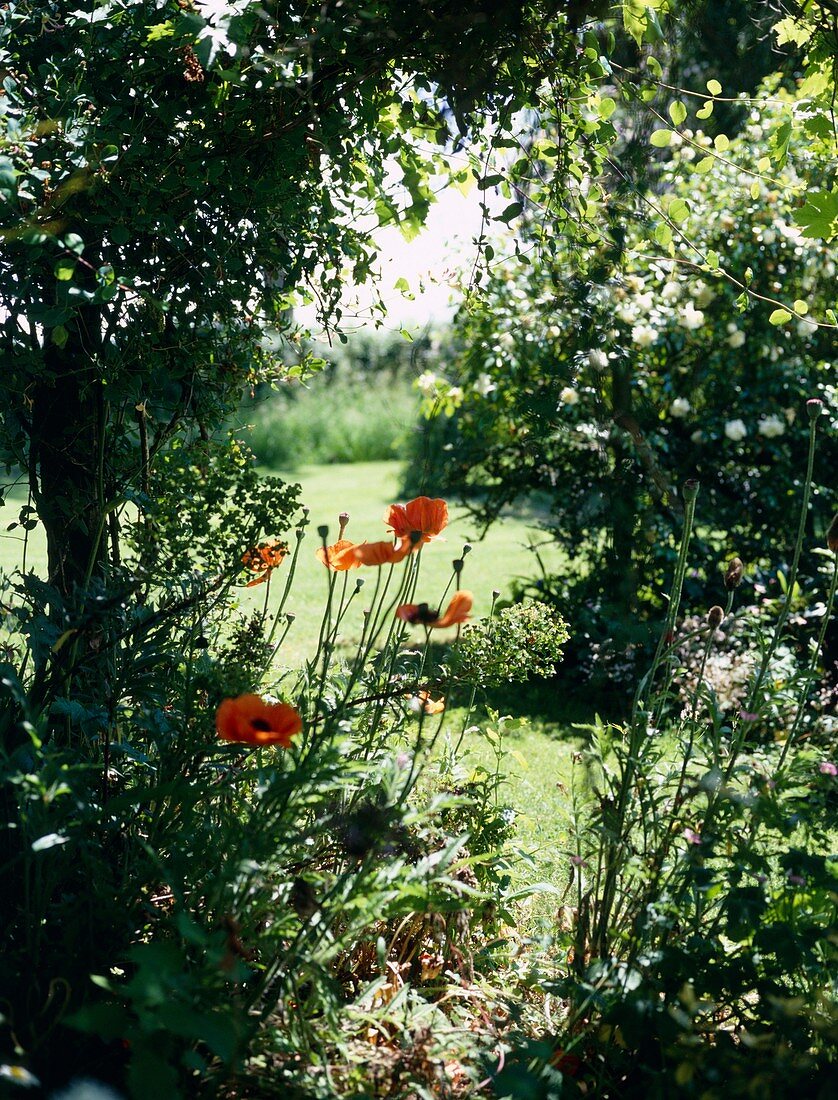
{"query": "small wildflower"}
(19, 1075)
(748, 716)
(578, 861)
(826, 767)
(795, 880)
(692, 837)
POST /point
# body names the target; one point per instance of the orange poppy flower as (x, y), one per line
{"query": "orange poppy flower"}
(339, 556)
(263, 559)
(458, 610)
(422, 702)
(252, 721)
(419, 520)
(381, 553)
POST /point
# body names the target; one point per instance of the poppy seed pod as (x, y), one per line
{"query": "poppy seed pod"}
(813, 407)
(690, 490)
(323, 531)
(715, 616)
(733, 576)
(832, 535)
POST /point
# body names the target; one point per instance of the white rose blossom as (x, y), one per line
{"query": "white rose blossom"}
(644, 335)
(427, 382)
(736, 338)
(735, 430)
(569, 396)
(771, 426)
(680, 407)
(598, 359)
(690, 318)
(484, 385)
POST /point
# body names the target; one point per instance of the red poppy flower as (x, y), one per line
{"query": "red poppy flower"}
(458, 610)
(251, 720)
(419, 520)
(381, 553)
(422, 702)
(339, 557)
(263, 559)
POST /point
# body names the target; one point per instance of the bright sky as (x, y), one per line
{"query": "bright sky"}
(428, 263)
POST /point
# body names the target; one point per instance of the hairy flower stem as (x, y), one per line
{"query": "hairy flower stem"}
(817, 649)
(664, 647)
(791, 583)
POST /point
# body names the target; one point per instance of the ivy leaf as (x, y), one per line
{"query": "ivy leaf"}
(818, 216)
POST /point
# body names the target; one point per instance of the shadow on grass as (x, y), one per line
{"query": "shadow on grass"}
(546, 704)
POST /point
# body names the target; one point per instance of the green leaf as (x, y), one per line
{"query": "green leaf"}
(679, 210)
(512, 211)
(818, 216)
(713, 259)
(753, 190)
(660, 138)
(714, 87)
(64, 269)
(779, 317)
(779, 142)
(607, 107)
(706, 110)
(677, 112)
(800, 307)
(59, 336)
(705, 165)
(663, 234)
(721, 142)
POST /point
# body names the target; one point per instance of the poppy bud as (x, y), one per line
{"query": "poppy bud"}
(457, 565)
(733, 576)
(690, 489)
(343, 520)
(359, 584)
(495, 593)
(813, 407)
(715, 616)
(290, 616)
(466, 549)
(832, 535)
(323, 531)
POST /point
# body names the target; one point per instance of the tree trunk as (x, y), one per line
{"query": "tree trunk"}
(67, 453)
